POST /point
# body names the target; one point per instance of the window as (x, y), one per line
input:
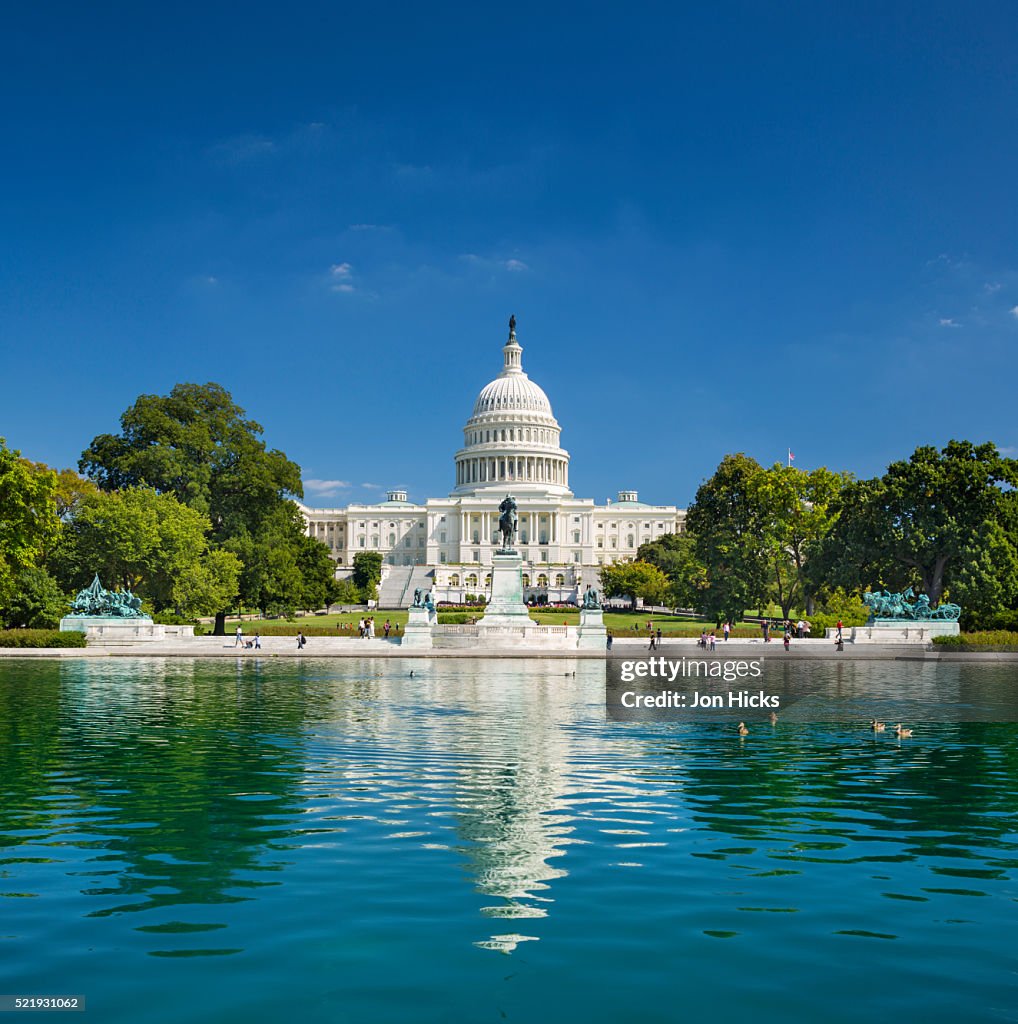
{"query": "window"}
(526, 579)
(576, 556)
(614, 541)
(542, 580)
(629, 540)
(361, 541)
(544, 556)
(576, 536)
(391, 525)
(441, 537)
(406, 542)
(576, 519)
(560, 580)
(392, 540)
(600, 526)
(454, 580)
(471, 579)
(374, 540)
(487, 580)
(477, 556)
(441, 556)
(600, 542)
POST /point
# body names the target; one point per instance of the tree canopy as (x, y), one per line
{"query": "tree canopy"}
(942, 521)
(634, 580)
(28, 517)
(198, 445)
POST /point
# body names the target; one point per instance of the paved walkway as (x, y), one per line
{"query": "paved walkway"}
(354, 647)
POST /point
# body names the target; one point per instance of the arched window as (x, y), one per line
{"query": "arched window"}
(629, 540)
(454, 580)
(392, 540)
(487, 579)
(472, 580)
(526, 579)
(542, 580)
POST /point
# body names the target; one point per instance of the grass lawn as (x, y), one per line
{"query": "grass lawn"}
(345, 623)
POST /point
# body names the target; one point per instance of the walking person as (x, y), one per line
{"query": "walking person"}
(238, 637)
(609, 641)
(301, 640)
(258, 641)
(659, 636)
(651, 641)
(387, 627)
(725, 630)
(713, 641)
(787, 638)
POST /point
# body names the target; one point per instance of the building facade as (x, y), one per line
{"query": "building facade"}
(511, 445)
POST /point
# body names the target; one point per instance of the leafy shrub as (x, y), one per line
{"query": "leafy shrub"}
(455, 618)
(41, 638)
(1002, 638)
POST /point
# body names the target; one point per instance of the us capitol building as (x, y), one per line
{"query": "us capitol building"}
(511, 444)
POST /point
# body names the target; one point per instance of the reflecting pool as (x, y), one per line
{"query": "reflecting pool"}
(259, 841)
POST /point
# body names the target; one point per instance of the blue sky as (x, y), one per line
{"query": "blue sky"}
(721, 227)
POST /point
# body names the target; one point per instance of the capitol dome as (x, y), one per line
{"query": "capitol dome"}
(511, 440)
(512, 392)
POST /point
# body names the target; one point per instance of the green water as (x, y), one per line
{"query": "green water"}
(335, 841)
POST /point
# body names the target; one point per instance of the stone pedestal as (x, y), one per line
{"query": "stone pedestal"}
(506, 607)
(114, 631)
(592, 634)
(897, 631)
(418, 631)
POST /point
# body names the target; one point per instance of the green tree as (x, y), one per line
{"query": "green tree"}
(675, 555)
(198, 445)
(796, 509)
(28, 519)
(635, 580)
(727, 523)
(942, 521)
(367, 573)
(36, 601)
(318, 573)
(151, 544)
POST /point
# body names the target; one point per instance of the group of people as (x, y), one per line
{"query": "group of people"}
(799, 630)
(709, 641)
(255, 643)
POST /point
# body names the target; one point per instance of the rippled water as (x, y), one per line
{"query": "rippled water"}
(335, 841)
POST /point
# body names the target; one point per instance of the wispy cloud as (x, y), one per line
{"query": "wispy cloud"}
(1008, 451)
(494, 263)
(325, 488)
(949, 322)
(1014, 312)
(340, 276)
